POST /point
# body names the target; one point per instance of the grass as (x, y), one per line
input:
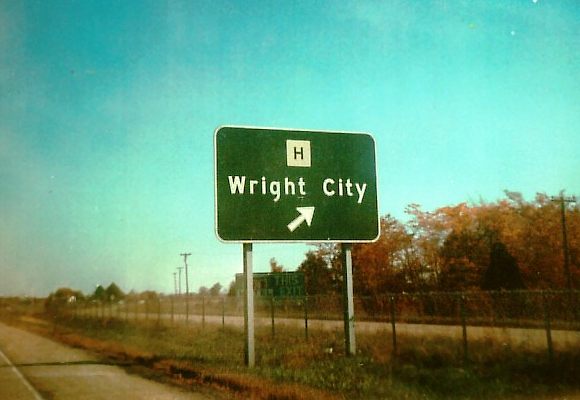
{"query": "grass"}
(431, 368)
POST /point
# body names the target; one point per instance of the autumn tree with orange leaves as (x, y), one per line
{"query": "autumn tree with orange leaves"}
(458, 241)
(452, 249)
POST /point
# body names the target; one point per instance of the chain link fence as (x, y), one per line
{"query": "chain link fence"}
(540, 319)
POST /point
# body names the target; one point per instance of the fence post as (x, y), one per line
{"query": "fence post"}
(272, 316)
(223, 313)
(393, 327)
(158, 311)
(306, 317)
(203, 312)
(572, 305)
(548, 325)
(463, 327)
(575, 308)
(172, 310)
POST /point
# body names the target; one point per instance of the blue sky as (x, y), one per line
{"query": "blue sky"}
(108, 109)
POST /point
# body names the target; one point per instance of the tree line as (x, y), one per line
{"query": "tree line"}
(509, 244)
(505, 245)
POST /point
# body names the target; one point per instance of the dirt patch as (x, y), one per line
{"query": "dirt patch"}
(243, 386)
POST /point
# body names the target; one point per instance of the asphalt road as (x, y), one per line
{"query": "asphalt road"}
(33, 367)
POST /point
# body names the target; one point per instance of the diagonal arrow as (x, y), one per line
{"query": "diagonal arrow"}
(306, 215)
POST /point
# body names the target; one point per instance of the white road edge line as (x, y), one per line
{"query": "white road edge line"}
(31, 388)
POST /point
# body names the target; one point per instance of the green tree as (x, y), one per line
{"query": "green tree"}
(61, 298)
(465, 254)
(232, 290)
(113, 293)
(203, 291)
(503, 271)
(100, 294)
(274, 266)
(216, 289)
(148, 295)
(317, 274)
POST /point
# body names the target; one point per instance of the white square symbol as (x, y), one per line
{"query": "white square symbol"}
(298, 153)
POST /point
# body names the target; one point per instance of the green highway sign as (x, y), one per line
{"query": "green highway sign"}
(283, 185)
(274, 284)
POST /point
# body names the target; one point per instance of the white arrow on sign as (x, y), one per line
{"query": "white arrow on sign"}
(306, 214)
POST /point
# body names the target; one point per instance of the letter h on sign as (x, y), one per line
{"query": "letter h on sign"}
(298, 153)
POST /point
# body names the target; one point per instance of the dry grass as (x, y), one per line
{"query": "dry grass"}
(289, 367)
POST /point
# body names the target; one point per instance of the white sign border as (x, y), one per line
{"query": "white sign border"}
(308, 241)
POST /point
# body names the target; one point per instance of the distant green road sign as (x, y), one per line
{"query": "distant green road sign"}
(274, 284)
(277, 185)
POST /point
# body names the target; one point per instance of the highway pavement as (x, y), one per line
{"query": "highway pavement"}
(34, 367)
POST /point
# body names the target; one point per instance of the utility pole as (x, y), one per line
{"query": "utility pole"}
(563, 200)
(185, 255)
(175, 282)
(179, 269)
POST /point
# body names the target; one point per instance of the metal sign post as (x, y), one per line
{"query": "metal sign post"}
(347, 299)
(249, 353)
